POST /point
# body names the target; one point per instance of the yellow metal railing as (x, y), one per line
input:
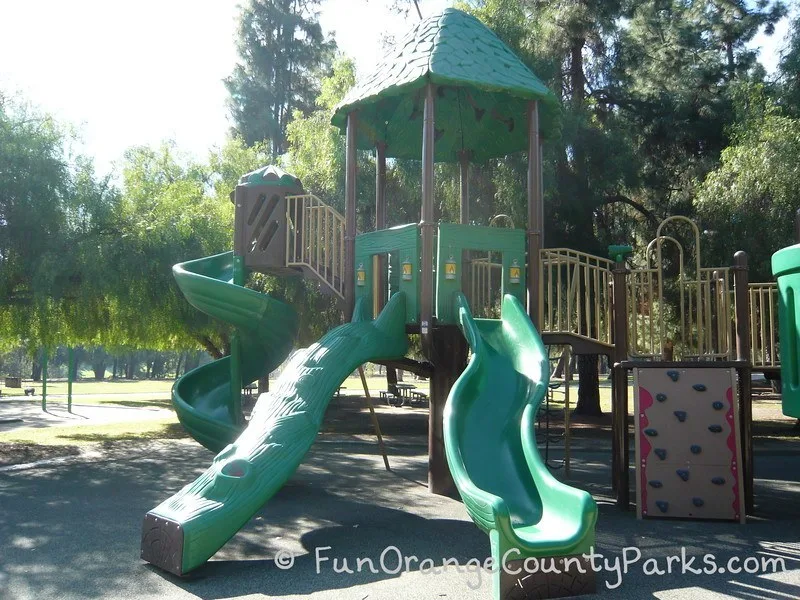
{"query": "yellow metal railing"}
(315, 239)
(764, 324)
(575, 294)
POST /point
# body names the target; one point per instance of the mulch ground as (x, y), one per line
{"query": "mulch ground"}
(15, 454)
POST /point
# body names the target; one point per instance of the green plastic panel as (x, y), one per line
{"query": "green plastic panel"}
(453, 239)
(282, 428)
(490, 441)
(402, 243)
(483, 90)
(272, 176)
(786, 267)
(266, 328)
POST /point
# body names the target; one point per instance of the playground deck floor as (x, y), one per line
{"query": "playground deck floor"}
(71, 530)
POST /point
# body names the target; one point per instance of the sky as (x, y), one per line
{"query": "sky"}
(137, 73)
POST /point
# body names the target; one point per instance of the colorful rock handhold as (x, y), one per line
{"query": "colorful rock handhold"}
(655, 483)
(718, 405)
(662, 505)
(695, 449)
(718, 480)
(715, 428)
(681, 414)
(661, 397)
(674, 375)
(661, 453)
(651, 432)
(699, 387)
(683, 474)
(698, 502)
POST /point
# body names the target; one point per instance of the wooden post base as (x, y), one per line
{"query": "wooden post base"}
(573, 577)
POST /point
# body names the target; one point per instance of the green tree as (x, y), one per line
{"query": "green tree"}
(751, 199)
(282, 52)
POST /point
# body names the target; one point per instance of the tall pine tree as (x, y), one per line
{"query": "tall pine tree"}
(282, 53)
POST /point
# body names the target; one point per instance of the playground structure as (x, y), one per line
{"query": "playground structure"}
(442, 96)
(688, 445)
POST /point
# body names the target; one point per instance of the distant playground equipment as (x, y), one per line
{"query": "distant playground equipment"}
(442, 95)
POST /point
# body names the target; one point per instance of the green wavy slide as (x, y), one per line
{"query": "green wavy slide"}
(490, 441)
(187, 529)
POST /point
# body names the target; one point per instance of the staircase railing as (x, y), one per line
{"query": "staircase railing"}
(575, 294)
(315, 240)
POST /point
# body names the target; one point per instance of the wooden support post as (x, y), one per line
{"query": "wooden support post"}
(534, 211)
(567, 436)
(374, 418)
(235, 405)
(426, 224)
(380, 219)
(619, 391)
(740, 284)
(463, 164)
(449, 357)
(351, 170)
(466, 256)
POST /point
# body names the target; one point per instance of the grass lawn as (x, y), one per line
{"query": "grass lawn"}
(116, 386)
(153, 429)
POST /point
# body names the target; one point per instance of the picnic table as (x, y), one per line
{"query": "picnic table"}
(405, 394)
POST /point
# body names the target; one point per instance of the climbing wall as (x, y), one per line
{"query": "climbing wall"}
(688, 451)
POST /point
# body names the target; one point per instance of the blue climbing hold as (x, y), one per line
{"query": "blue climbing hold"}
(718, 405)
(661, 397)
(651, 432)
(683, 474)
(674, 375)
(698, 502)
(696, 449)
(715, 428)
(699, 387)
(661, 453)
(655, 483)
(681, 414)
(662, 505)
(718, 480)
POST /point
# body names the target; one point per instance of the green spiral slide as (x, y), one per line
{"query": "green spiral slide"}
(489, 433)
(187, 529)
(267, 329)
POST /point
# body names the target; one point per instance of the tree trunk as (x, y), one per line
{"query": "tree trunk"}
(99, 368)
(588, 386)
(181, 357)
(192, 361)
(36, 369)
(391, 380)
(115, 369)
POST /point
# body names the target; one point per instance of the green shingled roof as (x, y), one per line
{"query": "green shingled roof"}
(482, 90)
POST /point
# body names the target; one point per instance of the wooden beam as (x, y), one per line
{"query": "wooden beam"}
(463, 162)
(535, 210)
(427, 224)
(351, 171)
(380, 217)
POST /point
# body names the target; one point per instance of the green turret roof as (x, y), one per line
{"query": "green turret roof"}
(482, 90)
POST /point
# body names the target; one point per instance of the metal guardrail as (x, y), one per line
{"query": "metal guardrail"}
(315, 239)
